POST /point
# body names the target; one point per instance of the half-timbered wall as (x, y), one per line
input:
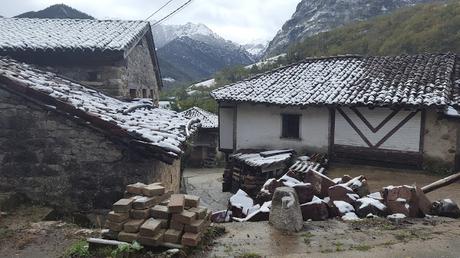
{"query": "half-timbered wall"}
(378, 128)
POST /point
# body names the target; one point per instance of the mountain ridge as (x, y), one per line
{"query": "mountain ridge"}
(57, 11)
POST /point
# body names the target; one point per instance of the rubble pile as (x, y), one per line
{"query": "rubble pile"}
(150, 215)
(348, 198)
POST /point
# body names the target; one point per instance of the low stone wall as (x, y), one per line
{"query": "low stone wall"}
(57, 162)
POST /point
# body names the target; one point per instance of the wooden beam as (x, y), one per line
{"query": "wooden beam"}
(441, 183)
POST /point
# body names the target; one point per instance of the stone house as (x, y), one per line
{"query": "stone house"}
(388, 110)
(203, 151)
(71, 147)
(116, 57)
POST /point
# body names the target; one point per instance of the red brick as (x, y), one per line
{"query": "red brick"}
(160, 212)
(173, 236)
(132, 226)
(191, 239)
(342, 193)
(195, 227)
(192, 201)
(200, 212)
(185, 217)
(176, 225)
(140, 214)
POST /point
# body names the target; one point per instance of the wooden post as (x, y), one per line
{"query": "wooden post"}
(441, 183)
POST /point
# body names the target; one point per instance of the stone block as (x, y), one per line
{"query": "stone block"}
(398, 207)
(191, 239)
(285, 213)
(200, 212)
(153, 190)
(135, 188)
(172, 236)
(196, 226)
(320, 183)
(140, 214)
(164, 223)
(114, 226)
(185, 217)
(176, 225)
(359, 186)
(398, 192)
(192, 201)
(118, 217)
(127, 237)
(132, 226)
(144, 203)
(150, 227)
(122, 206)
(155, 240)
(366, 205)
(176, 203)
(160, 212)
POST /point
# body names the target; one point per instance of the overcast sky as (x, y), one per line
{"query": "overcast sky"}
(238, 20)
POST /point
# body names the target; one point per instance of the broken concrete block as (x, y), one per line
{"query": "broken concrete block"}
(144, 203)
(200, 212)
(160, 212)
(114, 226)
(135, 188)
(366, 205)
(132, 226)
(196, 226)
(150, 227)
(342, 193)
(285, 213)
(191, 239)
(140, 214)
(359, 186)
(305, 192)
(343, 208)
(316, 210)
(127, 237)
(192, 201)
(392, 193)
(153, 190)
(423, 203)
(445, 208)
(156, 240)
(173, 236)
(176, 203)
(185, 217)
(118, 217)
(398, 206)
(320, 183)
(123, 205)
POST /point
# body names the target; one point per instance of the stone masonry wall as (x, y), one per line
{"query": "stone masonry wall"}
(58, 162)
(135, 73)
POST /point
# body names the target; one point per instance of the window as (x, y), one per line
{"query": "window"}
(144, 93)
(290, 126)
(151, 94)
(133, 93)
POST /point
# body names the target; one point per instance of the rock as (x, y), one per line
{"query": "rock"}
(399, 206)
(343, 208)
(342, 193)
(445, 208)
(366, 205)
(345, 179)
(320, 183)
(305, 192)
(350, 216)
(316, 210)
(285, 213)
(397, 217)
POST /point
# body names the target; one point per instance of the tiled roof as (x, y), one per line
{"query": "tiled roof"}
(21, 34)
(207, 119)
(418, 80)
(139, 121)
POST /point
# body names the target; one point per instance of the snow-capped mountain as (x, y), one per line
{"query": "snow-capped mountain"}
(256, 48)
(57, 11)
(193, 52)
(313, 17)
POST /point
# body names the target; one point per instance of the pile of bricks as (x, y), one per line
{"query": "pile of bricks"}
(150, 215)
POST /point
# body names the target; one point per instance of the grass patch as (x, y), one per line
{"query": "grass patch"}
(374, 223)
(79, 249)
(408, 235)
(339, 247)
(362, 248)
(249, 255)
(307, 237)
(326, 251)
(6, 233)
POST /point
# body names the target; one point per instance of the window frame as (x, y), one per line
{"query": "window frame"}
(283, 136)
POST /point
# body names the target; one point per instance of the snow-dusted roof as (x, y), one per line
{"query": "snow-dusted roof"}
(21, 34)
(208, 119)
(264, 159)
(140, 122)
(418, 80)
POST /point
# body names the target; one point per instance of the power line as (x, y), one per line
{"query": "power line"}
(172, 13)
(161, 8)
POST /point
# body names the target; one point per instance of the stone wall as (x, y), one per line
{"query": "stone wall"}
(58, 162)
(122, 79)
(440, 141)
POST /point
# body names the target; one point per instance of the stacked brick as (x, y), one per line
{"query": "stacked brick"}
(150, 215)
